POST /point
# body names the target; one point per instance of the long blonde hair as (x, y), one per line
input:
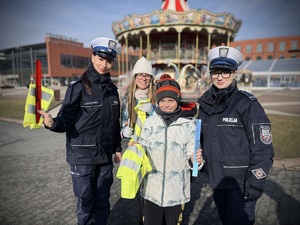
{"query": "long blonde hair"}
(132, 102)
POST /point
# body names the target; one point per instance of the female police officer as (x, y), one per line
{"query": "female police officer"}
(90, 117)
(236, 140)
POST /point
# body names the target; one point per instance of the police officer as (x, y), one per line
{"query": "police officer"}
(90, 117)
(236, 140)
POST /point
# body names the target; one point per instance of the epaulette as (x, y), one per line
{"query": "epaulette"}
(249, 95)
(74, 82)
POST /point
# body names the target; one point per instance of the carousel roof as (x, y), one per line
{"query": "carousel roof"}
(175, 5)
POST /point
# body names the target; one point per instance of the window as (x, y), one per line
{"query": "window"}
(248, 58)
(270, 47)
(248, 49)
(294, 45)
(282, 46)
(281, 57)
(270, 57)
(259, 48)
(239, 48)
(258, 57)
(70, 61)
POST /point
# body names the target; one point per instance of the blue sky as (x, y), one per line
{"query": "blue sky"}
(24, 22)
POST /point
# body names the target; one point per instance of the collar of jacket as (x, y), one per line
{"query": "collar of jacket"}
(169, 117)
(96, 77)
(222, 95)
(214, 101)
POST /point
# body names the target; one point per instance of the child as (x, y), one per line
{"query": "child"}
(168, 140)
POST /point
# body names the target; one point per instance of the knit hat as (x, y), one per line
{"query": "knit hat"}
(142, 66)
(167, 87)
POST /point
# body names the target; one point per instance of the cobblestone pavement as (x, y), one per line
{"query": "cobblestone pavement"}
(36, 189)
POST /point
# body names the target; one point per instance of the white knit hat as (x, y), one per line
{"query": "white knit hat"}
(142, 66)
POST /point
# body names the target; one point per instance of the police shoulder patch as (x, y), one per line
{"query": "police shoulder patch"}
(265, 134)
(249, 95)
(259, 173)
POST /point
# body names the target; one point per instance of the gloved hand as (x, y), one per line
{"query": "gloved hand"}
(250, 197)
(145, 107)
(127, 132)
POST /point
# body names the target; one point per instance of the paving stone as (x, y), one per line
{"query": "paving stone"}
(36, 187)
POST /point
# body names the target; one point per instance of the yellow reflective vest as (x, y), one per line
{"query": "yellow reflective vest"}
(133, 167)
(29, 116)
(141, 117)
(135, 163)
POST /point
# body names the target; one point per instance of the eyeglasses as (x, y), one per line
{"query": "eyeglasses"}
(224, 74)
(143, 75)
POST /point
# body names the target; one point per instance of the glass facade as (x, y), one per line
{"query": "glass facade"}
(71, 61)
(18, 64)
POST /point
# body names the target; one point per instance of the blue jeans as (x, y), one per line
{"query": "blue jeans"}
(91, 185)
(232, 208)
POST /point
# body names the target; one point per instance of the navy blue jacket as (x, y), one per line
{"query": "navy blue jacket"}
(236, 140)
(91, 122)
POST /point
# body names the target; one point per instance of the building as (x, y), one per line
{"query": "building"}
(269, 48)
(63, 59)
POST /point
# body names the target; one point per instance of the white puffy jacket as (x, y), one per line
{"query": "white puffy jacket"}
(169, 182)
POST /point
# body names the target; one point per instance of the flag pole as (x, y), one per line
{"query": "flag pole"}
(38, 89)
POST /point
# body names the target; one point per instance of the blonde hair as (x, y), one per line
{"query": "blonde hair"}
(132, 102)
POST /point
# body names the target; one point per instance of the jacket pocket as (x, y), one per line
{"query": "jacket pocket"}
(85, 147)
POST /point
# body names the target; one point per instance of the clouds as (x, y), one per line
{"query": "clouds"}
(26, 22)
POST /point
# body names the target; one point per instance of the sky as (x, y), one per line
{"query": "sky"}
(26, 22)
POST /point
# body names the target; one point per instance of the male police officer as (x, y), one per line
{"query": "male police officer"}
(90, 117)
(236, 140)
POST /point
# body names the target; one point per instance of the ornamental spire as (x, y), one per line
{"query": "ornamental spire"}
(175, 5)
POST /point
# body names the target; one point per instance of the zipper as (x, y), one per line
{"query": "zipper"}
(165, 159)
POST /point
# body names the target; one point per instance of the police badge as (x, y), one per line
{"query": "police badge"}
(265, 134)
(111, 45)
(223, 52)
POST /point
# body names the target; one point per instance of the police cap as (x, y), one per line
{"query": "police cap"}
(106, 48)
(225, 57)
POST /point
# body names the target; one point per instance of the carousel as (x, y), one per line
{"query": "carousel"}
(176, 40)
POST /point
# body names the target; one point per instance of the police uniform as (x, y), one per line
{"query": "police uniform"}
(91, 123)
(237, 143)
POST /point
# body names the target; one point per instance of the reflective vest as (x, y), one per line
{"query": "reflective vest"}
(29, 116)
(141, 117)
(135, 163)
(133, 167)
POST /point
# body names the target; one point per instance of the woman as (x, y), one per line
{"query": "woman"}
(236, 140)
(142, 89)
(90, 117)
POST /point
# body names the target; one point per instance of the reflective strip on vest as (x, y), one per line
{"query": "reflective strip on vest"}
(29, 116)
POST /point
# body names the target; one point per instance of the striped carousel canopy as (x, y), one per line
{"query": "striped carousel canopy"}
(175, 5)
